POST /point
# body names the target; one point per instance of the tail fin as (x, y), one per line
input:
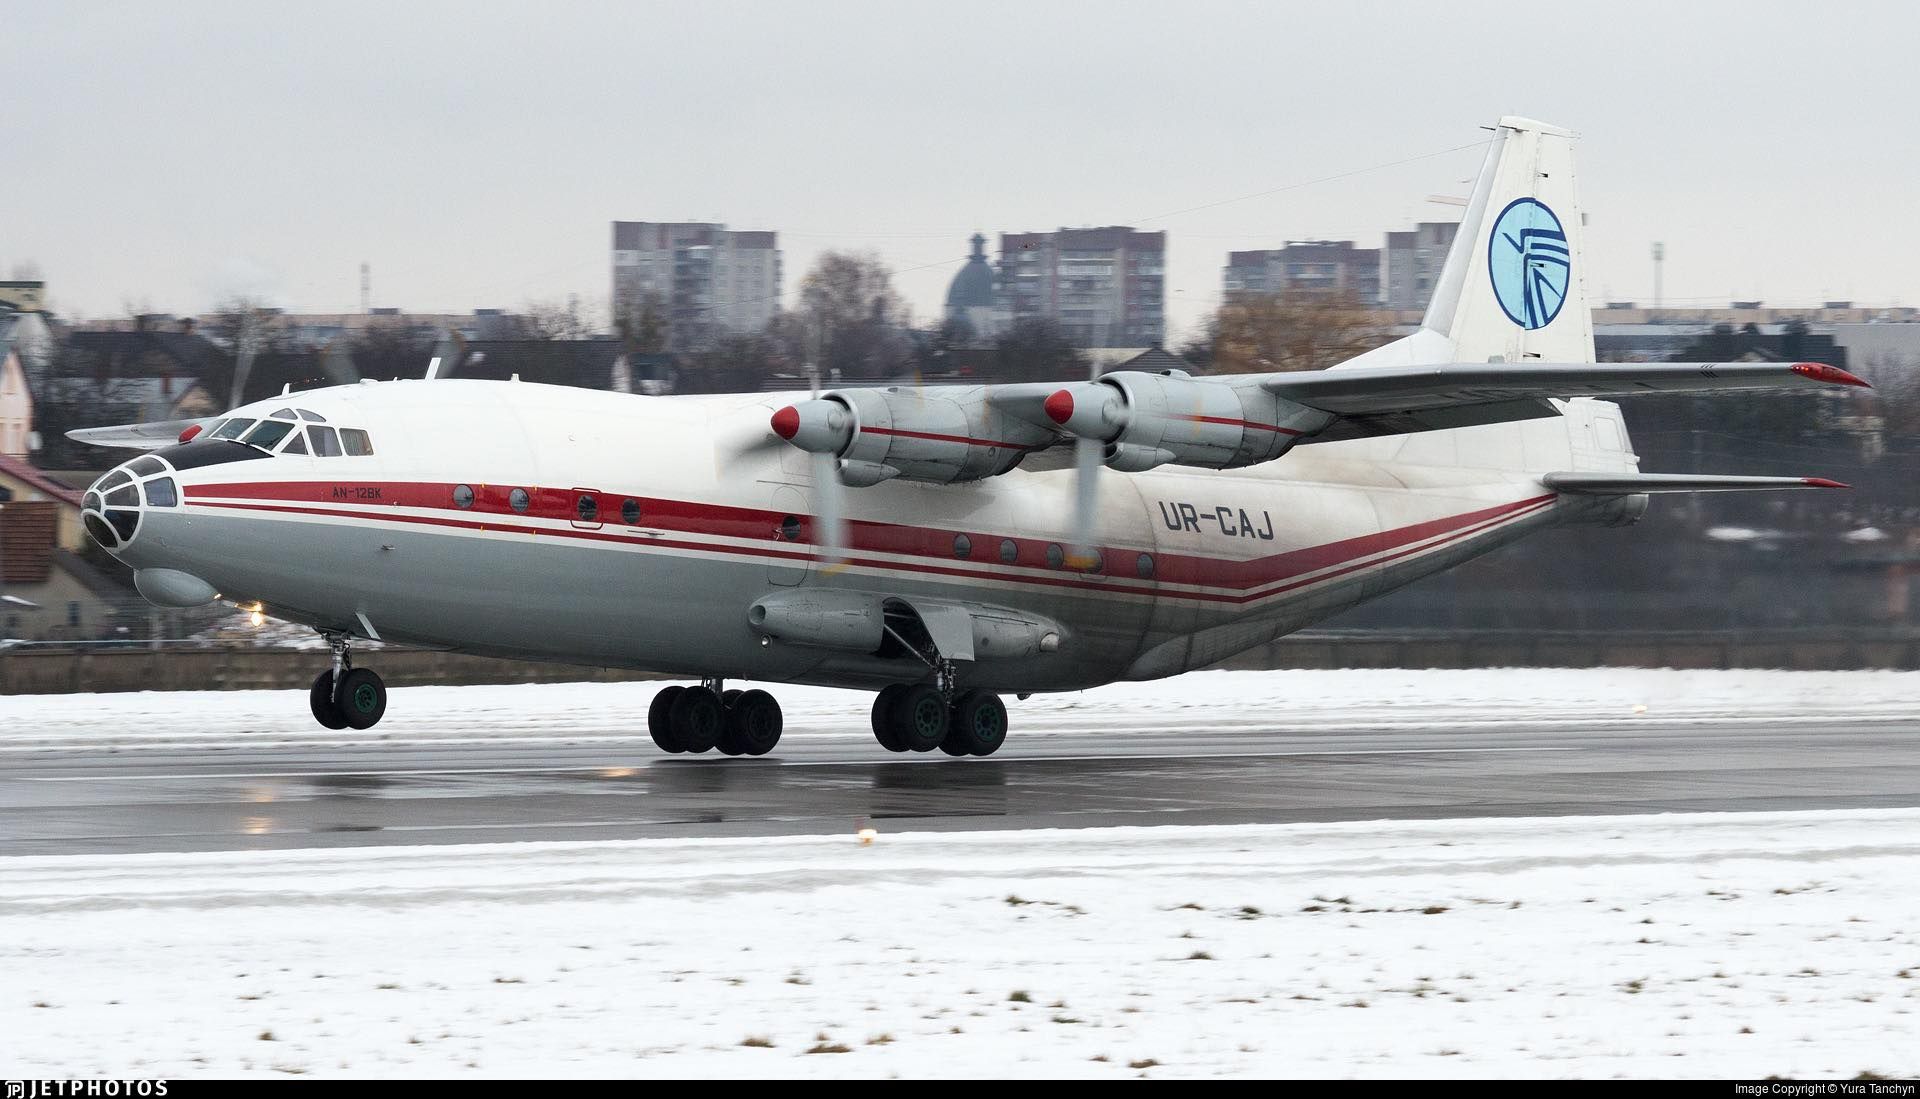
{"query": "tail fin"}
(1513, 287)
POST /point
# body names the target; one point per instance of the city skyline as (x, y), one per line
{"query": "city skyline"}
(478, 166)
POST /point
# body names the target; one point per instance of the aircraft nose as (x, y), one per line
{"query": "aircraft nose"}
(114, 505)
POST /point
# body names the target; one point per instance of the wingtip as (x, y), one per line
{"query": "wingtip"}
(1821, 372)
(1822, 482)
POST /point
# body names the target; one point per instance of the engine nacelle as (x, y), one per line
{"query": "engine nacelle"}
(1152, 419)
(935, 436)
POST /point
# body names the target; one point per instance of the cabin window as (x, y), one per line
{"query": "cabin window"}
(233, 428)
(1056, 556)
(145, 467)
(463, 496)
(790, 528)
(962, 546)
(587, 508)
(1144, 566)
(161, 493)
(630, 512)
(356, 442)
(1008, 551)
(267, 433)
(326, 442)
(519, 501)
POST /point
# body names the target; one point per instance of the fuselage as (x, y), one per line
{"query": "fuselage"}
(553, 523)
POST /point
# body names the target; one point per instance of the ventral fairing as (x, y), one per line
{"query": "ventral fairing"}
(941, 546)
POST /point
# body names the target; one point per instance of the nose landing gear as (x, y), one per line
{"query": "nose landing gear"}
(346, 697)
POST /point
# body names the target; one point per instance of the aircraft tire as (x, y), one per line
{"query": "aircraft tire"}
(320, 698)
(660, 719)
(920, 718)
(754, 723)
(979, 725)
(362, 698)
(883, 717)
(697, 719)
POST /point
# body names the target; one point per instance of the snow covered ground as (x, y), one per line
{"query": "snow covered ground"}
(1370, 698)
(1722, 945)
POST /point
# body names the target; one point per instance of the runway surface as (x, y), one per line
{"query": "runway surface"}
(74, 801)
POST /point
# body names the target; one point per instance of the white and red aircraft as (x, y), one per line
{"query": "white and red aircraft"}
(939, 545)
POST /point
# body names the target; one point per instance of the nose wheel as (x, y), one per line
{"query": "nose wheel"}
(346, 697)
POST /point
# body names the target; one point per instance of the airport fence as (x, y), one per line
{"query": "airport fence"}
(113, 668)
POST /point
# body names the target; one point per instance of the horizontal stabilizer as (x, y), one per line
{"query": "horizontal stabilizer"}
(149, 436)
(1627, 484)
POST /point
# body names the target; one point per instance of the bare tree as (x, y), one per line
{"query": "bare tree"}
(852, 321)
(1037, 349)
(1292, 330)
(245, 326)
(552, 320)
(640, 319)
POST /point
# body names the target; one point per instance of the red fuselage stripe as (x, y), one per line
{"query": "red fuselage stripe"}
(1254, 579)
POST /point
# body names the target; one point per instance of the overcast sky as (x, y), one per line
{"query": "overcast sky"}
(165, 155)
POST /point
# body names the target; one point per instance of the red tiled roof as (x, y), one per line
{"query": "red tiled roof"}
(54, 490)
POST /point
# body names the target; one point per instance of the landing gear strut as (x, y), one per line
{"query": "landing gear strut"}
(699, 719)
(346, 697)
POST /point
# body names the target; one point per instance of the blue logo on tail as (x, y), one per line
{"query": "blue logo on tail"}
(1529, 263)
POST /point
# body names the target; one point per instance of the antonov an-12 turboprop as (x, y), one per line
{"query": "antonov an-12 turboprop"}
(942, 546)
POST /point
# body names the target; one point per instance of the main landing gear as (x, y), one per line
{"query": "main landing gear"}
(918, 718)
(699, 719)
(346, 697)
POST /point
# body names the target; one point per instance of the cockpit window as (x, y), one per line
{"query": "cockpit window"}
(283, 413)
(233, 428)
(314, 416)
(296, 444)
(356, 442)
(145, 467)
(267, 433)
(161, 493)
(326, 442)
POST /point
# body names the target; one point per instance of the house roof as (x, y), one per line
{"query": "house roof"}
(37, 480)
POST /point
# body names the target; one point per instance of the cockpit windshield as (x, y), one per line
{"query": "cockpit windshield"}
(267, 433)
(233, 428)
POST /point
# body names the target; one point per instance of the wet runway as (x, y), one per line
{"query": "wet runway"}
(73, 802)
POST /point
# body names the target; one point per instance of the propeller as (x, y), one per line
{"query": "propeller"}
(1093, 413)
(829, 513)
(449, 354)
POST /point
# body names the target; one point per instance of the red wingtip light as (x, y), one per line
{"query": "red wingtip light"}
(1822, 482)
(1059, 407)
(187, 435)
(786, 422)
(1833, 375)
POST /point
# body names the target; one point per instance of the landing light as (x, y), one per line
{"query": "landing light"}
(258, 619)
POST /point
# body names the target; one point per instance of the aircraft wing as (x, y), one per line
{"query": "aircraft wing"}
(1399, 400)
(148, 436)
(1630, 484)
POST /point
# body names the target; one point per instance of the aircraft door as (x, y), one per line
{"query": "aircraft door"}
(787, 537)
